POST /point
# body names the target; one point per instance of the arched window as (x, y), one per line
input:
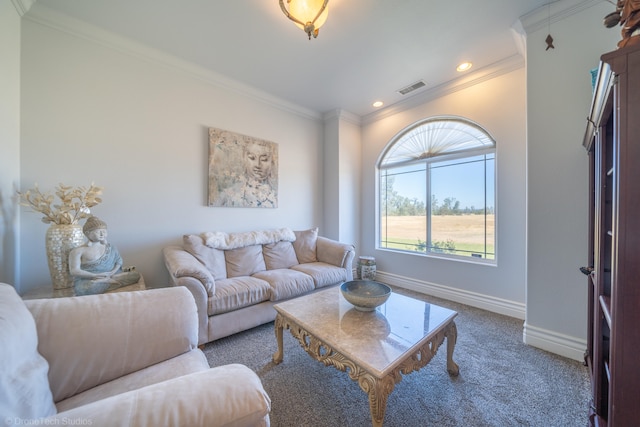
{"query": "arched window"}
(437, 190)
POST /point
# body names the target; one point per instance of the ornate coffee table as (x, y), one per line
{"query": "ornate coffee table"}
(399, 337)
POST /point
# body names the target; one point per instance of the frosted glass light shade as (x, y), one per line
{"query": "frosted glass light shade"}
(306, 10)
(309, 15)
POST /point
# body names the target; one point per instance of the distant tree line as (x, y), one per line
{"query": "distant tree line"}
(398, 205)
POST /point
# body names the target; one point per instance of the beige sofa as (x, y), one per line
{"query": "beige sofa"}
(237, 278)
(120, 359)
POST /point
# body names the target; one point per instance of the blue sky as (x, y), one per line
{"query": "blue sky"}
(464, 182)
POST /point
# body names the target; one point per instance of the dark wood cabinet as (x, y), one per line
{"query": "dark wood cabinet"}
(612, 140)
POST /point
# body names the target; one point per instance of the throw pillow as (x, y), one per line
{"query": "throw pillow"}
(211, 258)
(24, 386)
(305, 245)
(279, 255)
(244, 261)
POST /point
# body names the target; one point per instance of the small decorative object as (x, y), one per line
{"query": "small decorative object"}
(365, 295)
(549, 42)
(549, 39)
(594, 78)
(366, 269)
(64, 233)
(243, 171)
(627, 14)
(96, 266)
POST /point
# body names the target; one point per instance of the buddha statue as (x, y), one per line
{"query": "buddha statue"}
(96, 266)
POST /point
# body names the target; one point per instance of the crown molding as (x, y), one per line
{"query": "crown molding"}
(339, 114)
(553, 12)
(47, 17)
(537, 19)
(22, 6)
(520, 38)
(489, 72)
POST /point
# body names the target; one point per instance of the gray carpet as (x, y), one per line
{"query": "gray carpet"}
(502, 381)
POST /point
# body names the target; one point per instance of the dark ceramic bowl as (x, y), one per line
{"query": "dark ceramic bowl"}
(365, 295)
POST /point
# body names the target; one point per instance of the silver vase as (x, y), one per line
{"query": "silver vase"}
(59, 240)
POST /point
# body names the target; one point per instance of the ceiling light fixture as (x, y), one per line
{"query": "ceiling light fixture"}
(464, 66)
(378, 104)
(309, 15)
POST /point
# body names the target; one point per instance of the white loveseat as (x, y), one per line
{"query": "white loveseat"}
(236, 278)
(120, 359)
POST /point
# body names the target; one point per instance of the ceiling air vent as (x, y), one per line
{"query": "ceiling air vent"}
(411, 88)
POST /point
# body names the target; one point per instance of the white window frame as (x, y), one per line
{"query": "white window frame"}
(483, 147)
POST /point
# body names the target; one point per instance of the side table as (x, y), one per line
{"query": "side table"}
(49, 292)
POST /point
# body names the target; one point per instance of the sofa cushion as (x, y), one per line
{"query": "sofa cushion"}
(238, 292)
(279, 255)
(211, 258)
(286, 283)
(229, 395)
(305, 245)
(244, 261)
(24, 386)
(184, 364)
(323, 274)
(82, 357)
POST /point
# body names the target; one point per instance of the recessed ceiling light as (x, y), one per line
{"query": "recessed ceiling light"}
(464, 66)
(378, 104)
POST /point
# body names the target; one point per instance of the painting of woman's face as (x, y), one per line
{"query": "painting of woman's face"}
(243, 171)
(258, 161)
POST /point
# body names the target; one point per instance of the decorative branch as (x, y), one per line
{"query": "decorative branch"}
(75, 203)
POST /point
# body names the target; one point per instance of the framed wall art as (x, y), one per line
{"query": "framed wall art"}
(243, 171)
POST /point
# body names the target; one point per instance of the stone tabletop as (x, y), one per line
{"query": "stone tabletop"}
(377, 340)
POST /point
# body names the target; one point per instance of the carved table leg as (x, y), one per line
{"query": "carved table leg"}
(378, 391)
(452, 336)
(279, 354)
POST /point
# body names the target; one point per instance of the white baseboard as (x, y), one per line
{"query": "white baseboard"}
(495, 305)
(563, 345)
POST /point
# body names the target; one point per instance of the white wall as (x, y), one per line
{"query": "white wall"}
(559, 96)
(498, 105)
(350, 185)
(138, 128)
(9, 139)
(331, 177)
(342, 170)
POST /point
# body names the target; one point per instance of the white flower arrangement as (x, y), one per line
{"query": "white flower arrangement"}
(75, 203)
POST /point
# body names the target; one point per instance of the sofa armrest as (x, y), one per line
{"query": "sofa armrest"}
(90, 340)
(230, 395)
(335, 253)
(181, 263)
(202, 303)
